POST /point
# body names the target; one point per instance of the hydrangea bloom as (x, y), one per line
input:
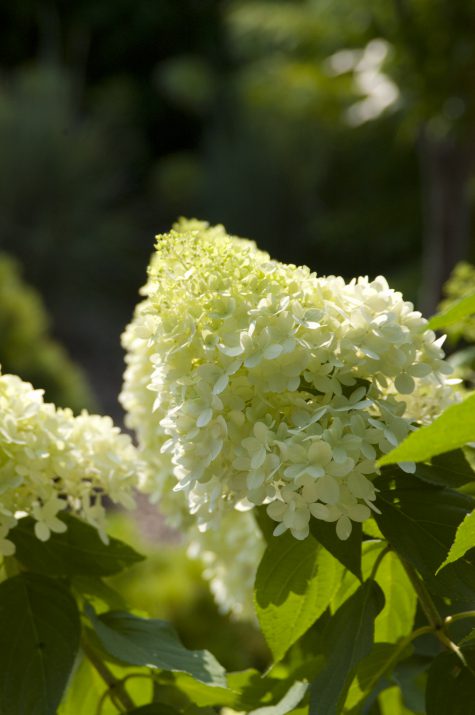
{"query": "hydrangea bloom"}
(252, 382)
(50, 459)
(230, 557)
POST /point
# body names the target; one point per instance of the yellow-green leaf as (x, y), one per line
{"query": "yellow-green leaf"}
(464, 540)
(453, 429)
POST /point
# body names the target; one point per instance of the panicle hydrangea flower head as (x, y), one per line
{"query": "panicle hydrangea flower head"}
(253, 382)
(51, 460)
(230, 557)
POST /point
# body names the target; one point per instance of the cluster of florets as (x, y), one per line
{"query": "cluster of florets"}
(230, 556)
(51, 460)
(251, 382)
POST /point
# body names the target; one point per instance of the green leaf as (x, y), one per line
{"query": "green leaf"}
(294, 585)
(96, 592)
(371, 670)
(153, 643)
(290, 700)
(79, 550)
(450, 687)
(420, 520)
(348, 639)
(347, 552)
(391, 703)
(247, 690)
(349, 583)
(40, 630)
(397, 617)
(464, 540)
(84, 692)
(453, 429)
(201, 694)
(463, 308)
(447, 470)
(253, 690)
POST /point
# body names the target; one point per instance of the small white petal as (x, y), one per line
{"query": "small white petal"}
(343, 528)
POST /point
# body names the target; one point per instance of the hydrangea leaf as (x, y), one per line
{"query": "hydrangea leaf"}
(84, 692)
(195, 691)
(464, 540)
(371, 671)
(463, 308)
(420, 520)
(294, 585)
(391, 702)
(153, 643)
(397, 616)
(450, 687)
(78, 550)
(453, 429)
(347, 552)
(450, 469)
(40, 630)
(247, 689)
(348, 639)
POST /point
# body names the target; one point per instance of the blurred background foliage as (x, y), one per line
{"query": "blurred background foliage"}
(335, 133)
(27, 349)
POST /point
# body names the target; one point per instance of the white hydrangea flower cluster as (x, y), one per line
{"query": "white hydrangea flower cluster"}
(252, 382)
(51, 460)
(230, 557)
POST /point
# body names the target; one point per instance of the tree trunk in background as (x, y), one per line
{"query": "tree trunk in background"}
(445, 171)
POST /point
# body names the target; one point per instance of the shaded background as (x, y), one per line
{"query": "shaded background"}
(334, 133)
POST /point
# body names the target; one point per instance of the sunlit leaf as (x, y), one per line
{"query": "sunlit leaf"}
(453, 429)
(464, 540)
(294, 585)
(397, 616)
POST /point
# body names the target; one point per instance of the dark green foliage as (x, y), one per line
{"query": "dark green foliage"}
(348, 638)
(347, 552)
(77, 551)
(420, 520)
(40, 629)
(451, 685)
(154, 643)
